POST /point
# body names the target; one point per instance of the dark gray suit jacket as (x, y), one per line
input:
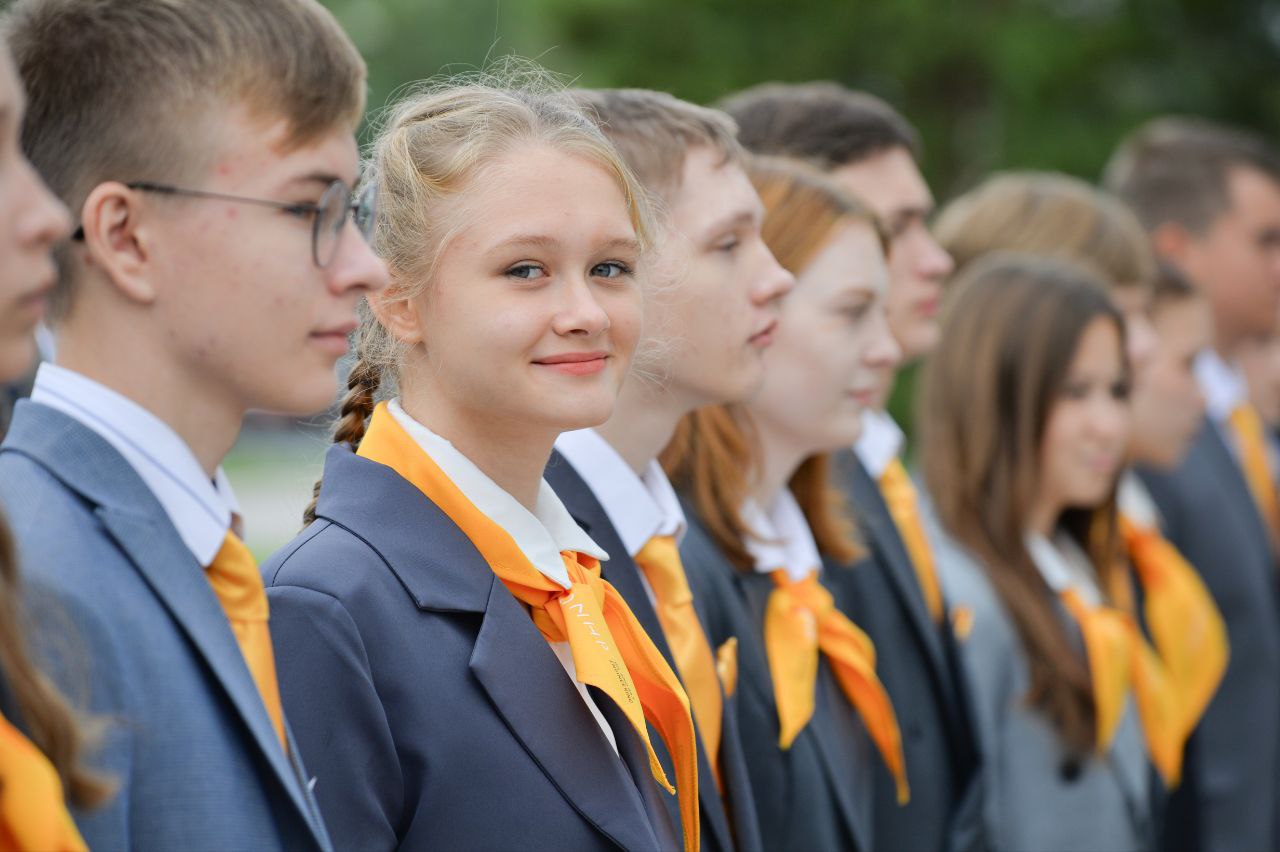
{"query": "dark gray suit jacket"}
(435, 714)
(916, 661)
(816, 796)
(1230, 794)
(130, 623)
(621, 571)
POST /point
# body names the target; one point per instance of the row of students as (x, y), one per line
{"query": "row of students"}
(498, 583)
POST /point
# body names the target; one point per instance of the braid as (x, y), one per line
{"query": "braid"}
(353, 418)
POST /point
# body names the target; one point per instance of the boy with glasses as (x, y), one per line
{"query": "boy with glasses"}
(216, 269)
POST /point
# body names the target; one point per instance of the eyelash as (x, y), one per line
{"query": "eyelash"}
(728, 246)
(624, 270)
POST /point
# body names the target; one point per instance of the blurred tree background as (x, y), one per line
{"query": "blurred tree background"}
(993, 84)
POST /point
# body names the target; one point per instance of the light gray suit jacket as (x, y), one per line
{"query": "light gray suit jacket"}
(1036, 797)
(126, 621)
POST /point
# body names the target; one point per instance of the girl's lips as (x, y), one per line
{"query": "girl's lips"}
(764, 336)
(575, 363)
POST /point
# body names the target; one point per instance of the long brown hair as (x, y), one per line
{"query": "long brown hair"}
(45, 714)
(714, 454)
(1011, 329)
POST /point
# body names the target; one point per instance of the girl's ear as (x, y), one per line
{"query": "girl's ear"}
(400, 316)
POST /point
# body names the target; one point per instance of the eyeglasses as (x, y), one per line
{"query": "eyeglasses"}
(329, 216)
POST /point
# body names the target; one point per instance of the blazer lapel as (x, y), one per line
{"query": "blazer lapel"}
(136, 521)
(529, 689)
(621, 571)
(883, 536)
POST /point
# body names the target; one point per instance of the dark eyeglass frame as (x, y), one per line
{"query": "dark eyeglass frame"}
(362, 210)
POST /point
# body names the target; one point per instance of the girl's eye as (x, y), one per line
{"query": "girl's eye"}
(610, 269)
(1120, 391)
(303, 210)
(526, 271)
(728, 245)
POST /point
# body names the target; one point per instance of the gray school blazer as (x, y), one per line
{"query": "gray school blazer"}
(433, 712)
(1036, 796)
(129, 623)
(1230, 793)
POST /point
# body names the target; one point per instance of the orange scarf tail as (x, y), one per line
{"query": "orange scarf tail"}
(800, 621)
(33, 815)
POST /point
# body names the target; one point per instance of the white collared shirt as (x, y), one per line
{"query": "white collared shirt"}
(639, 507)
(1064, 566)
(200, 509)
(1223, 385)
(541, 535)
(880, 442)
(781, 537)
(1136, 503)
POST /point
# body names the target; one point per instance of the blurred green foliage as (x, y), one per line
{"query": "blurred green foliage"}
(994, 84)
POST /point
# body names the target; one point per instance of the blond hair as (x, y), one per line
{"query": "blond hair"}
(1050, 215)
(430, 148)
(120, 90)
(653, 131)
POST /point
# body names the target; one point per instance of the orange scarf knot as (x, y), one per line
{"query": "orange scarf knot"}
(801, 620)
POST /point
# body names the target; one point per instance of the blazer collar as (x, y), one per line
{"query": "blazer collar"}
(389, 514)
(882, 534)
(87, 465)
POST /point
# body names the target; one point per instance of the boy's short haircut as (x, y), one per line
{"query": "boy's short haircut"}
(124, 89)
(822, 122)
(1178, 170)
(653, 131)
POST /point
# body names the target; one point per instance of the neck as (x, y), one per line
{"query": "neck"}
(207, 420)
(506, 451)
(1043, 518)
(779, 459)
(642, 423)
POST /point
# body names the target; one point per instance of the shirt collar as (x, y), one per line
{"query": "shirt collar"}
(639, 507)
(541, 535)
(781, 538)
(1222, 383)
(1136, 503)
(1063, 565)
(200, 509)
(880, 442)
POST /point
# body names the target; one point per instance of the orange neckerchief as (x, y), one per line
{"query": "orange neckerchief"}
(610, 649)
(1187, 631)
(235, 579)
(1120, 658)
(660, 561)
(800, 620)
(904, 507)
(33, 815)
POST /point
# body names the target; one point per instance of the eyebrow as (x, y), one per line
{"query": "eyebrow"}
(746, 216)
(548, 242)
(320, 179)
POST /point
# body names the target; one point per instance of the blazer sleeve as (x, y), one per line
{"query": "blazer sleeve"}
(337, 717)
(81, 654)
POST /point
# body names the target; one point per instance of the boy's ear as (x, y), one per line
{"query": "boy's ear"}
(117, 239)
(398, 315)
(1171, 241)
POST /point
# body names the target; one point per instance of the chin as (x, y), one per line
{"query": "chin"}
(302, 398)
(17, 358)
